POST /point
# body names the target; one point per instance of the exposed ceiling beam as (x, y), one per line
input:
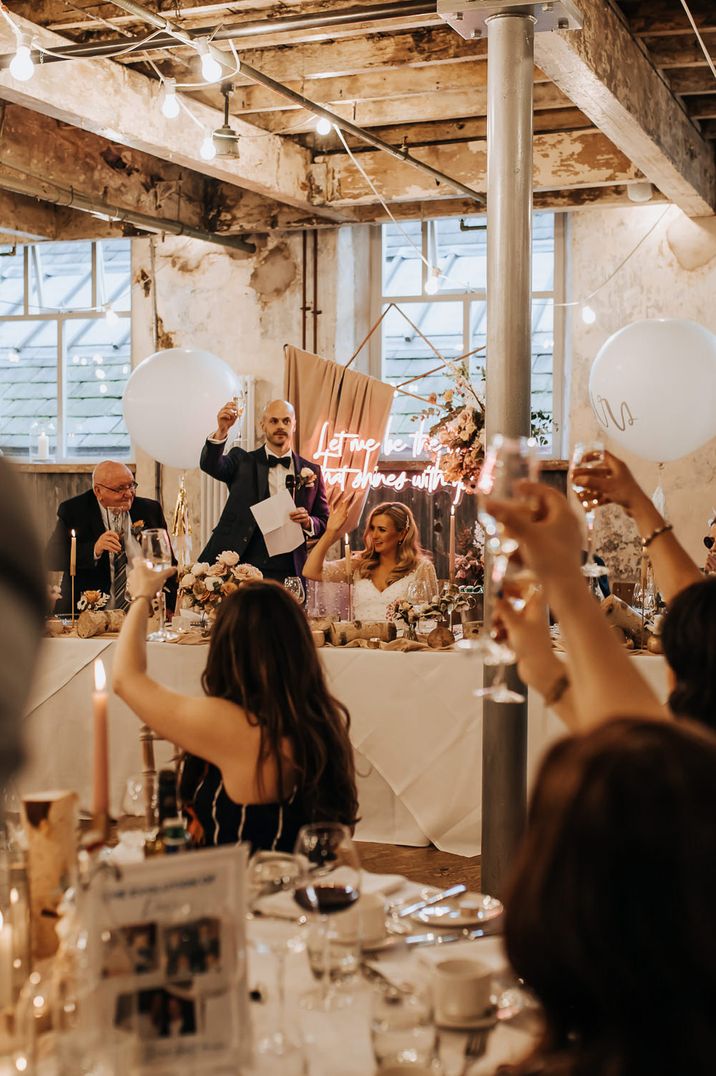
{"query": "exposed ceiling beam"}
(680, 51)
(568, 159)
(668, 16)
(605, 73)
(124, 106)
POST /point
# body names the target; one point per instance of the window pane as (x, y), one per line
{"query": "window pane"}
(28, 381)
(543, 252)
(97, 358)
(459, 247)
(116, 261)
(60, 276)
(406, 355)
(402, 264)
(12, 283)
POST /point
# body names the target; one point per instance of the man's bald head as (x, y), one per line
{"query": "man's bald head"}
(279, 423)
(113, 487)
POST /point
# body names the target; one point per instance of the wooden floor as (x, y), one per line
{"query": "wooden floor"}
(427, 865)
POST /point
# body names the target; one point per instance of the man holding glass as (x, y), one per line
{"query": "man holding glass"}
(108, 521)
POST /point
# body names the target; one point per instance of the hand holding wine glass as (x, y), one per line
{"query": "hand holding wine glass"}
(589, 460)
(157, 554)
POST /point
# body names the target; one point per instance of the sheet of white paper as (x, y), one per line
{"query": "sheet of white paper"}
(280, 533)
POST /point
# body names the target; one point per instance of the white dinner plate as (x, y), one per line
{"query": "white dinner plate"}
(466, 910)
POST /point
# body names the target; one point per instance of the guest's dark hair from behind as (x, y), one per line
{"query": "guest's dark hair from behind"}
(689, 644)
(262, 657)
(610, 914)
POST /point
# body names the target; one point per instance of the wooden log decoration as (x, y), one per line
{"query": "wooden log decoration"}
(440, 637)
(621, 615)
(50, 821)
(96, 622)
(343, 632)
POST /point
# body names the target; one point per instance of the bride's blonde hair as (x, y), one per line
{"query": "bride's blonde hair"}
(410, 553)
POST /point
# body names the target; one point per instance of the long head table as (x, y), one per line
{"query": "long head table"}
(415, 726)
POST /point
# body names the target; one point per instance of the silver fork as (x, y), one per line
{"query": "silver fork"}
(474, 1049)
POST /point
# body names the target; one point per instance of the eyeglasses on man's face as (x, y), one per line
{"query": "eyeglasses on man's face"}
(130, 487)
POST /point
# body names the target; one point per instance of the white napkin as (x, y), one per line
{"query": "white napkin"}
(283, 906)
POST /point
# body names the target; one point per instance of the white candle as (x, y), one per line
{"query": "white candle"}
(452, 544)
(73, 553)
(5, 963)
(347, 556)
(43, 446)
(100, 773)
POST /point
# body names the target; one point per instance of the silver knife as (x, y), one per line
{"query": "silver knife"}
(444, 938)
(418, 905)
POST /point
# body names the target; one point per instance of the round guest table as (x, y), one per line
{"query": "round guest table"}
(415, 726)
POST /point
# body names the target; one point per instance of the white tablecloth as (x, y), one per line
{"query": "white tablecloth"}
(415, 726)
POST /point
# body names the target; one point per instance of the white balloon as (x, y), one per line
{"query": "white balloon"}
(171, 402)
(653, 387)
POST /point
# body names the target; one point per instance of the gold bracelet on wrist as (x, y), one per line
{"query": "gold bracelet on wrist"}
(646, 542)
(145, 598)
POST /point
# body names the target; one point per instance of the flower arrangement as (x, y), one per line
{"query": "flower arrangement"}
(403, 611)
(440, 608)
(470, 558)
(204, 587)
(92, 600)
(460, 429)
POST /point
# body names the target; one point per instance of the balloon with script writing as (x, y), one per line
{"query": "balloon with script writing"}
(171, 401)
(653, 387)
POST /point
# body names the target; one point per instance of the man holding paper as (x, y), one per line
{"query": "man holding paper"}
(276, 501)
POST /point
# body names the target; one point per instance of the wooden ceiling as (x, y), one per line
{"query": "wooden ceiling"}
(629, 97)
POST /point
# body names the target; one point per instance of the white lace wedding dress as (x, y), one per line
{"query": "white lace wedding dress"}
(369, 603)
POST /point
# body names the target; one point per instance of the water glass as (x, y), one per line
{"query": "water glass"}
(157, 553)
(402, 1027)
(294, 585)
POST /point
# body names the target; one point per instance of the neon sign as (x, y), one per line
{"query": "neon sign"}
(361, 471)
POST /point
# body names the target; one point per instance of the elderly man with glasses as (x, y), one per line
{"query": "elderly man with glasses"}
(108, 521)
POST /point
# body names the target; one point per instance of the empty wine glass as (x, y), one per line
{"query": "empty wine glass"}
(588, 459)
(330, 883)
(157, 553)
(294, 585)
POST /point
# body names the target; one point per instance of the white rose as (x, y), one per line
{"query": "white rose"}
(306, 472)
(229, 557)
(213, 583)
(188, 581)
(200, 569)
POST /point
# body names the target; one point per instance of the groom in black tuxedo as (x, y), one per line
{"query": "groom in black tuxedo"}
(108, 521)
(254, 476)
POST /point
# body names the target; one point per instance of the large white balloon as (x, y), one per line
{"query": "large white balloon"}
(653, 387)
(171, 401)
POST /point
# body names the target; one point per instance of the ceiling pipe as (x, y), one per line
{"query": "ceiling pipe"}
(167, 39)
(54, 194)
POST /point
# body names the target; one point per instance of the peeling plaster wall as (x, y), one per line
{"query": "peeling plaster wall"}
(244, 308)
(673, 274)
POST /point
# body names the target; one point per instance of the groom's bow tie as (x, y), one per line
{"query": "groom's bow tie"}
(279, 461)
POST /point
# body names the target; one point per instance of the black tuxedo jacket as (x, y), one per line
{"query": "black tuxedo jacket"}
(83, 515)
(246, 475)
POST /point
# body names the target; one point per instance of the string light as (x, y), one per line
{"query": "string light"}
(211, 69)
(110, 315)
(588, 315)
(432, 284)
(22, 67)
(170, 105)
(207, 149)
(323, 126)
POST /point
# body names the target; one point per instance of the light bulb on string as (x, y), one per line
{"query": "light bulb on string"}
(207, 150)
(22, 67)
(432, 284)
(588, 315)
(110, 315)
(323, 126)
(170, 105)
(211, 69)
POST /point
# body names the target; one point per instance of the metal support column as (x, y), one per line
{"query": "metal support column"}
(510, 62)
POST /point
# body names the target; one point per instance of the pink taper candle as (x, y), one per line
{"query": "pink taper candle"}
(73, 553)
(452, 545)
(100, 785)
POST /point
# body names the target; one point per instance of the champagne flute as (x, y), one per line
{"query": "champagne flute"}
(294, 585)
(330, 883)
(157, 554)
(588, 456)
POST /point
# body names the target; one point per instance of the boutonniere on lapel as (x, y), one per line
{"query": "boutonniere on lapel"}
(305, 479)
(137, 527)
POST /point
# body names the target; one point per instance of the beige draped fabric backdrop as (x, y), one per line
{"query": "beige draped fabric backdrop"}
(323, 391)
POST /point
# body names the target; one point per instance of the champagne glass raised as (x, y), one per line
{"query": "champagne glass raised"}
(588, 459)
(157, 554)
(330, 883)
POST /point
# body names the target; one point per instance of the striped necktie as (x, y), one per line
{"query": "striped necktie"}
(120, 565)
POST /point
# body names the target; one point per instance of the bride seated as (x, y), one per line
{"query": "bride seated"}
(392, 565)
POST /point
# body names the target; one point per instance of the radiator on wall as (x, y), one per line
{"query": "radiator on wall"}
(213, 493)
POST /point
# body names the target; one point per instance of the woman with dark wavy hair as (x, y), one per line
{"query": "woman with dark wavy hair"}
(610, 911)
(689, 643)
(267, 747)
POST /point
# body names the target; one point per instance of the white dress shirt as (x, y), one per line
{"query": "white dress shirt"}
(131, 546)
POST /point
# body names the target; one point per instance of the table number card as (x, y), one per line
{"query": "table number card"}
(171, 962)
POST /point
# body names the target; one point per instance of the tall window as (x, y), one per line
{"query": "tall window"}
(454, 318)
(65, 348)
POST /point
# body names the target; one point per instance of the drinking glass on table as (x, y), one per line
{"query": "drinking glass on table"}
(157, 554)
(588, 458)
(330, 883)
(294, 586)
(508, 461)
